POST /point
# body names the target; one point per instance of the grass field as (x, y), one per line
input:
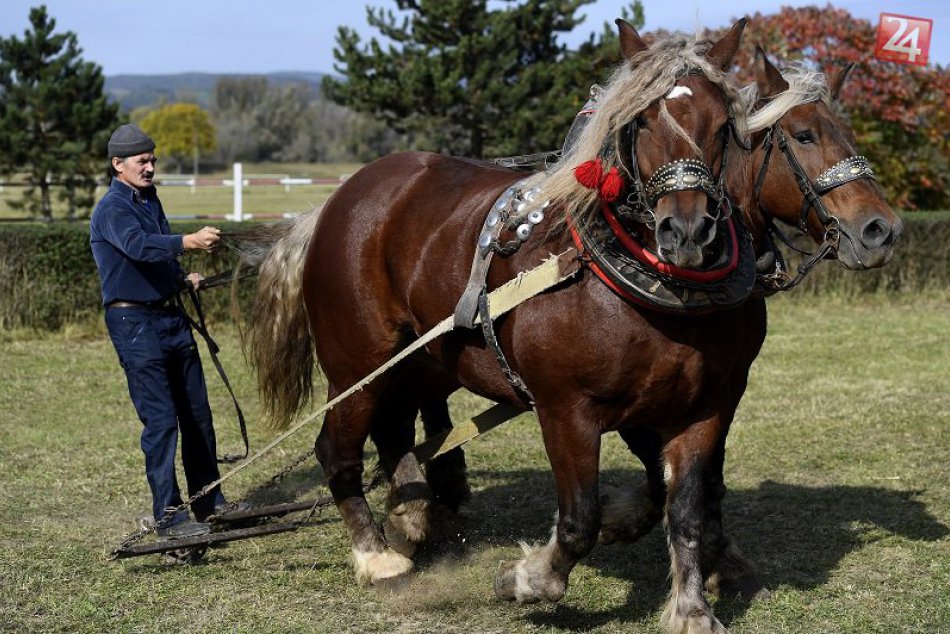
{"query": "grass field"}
(837, 471)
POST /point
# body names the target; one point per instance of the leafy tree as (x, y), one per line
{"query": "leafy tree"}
(181, 130)
(55, 120)
(476, 80)
(235, 100)
(258, 121)
(900, 113)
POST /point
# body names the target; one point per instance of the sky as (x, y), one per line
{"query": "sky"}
(255, 36)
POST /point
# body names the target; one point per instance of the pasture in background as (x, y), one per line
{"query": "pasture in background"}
(267, 202)
(839, 492)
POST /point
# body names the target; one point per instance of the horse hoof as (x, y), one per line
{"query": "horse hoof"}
(505, 580)
(397, 539)
(374, 567)
(410, 519)
(524, 582)
(626, 516)
(696, 624)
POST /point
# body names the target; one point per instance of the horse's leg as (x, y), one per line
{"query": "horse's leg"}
(407, 505)
(445, 474)
(573, 448)
(726, 569)
(629, 515)
(340, 451)
(687, 458)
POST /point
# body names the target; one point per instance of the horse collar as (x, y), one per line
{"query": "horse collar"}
(637, 275)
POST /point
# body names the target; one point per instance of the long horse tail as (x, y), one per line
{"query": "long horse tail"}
(278, 342)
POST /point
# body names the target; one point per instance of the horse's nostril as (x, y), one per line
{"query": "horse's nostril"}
(667, 232)
(707, 231)
(876, 233)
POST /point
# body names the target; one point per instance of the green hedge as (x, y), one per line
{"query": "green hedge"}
(921, 263)
(48, 277)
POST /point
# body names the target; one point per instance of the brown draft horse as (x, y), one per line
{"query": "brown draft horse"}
(388, 258)
(798, 105)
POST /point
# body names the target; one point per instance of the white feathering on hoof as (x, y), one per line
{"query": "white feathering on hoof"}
(536, 565)
(371, 567)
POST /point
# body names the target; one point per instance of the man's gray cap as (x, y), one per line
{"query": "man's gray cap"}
(129, 140)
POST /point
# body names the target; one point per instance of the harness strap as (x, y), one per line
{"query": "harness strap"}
(201, 328)
(528, 161)
(467, 305)
(488, 331)
(811, 198)
(760, 178)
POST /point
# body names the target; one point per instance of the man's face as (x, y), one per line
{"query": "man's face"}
(137, 170)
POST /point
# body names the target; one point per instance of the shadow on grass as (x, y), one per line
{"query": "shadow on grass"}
(796, 535)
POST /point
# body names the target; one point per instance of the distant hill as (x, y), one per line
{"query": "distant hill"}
(132, 91)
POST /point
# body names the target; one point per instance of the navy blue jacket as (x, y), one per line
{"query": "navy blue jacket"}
(133, 246)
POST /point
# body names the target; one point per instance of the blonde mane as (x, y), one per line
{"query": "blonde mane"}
(804, 85)
(637, 83)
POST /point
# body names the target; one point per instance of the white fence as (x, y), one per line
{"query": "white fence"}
(239, 181)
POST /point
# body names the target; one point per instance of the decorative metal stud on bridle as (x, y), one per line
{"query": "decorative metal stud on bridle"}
(850, 169)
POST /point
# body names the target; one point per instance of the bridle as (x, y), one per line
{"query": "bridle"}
(849, 169)
(679, 175)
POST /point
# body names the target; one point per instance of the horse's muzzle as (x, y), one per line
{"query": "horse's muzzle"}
(680, 241)
(871, 245)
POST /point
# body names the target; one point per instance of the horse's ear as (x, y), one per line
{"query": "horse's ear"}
(837, 79)
(724, 50)
(630, 41)
(768, 79)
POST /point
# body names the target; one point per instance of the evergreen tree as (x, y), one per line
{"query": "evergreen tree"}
(473, 80)
(55, 120)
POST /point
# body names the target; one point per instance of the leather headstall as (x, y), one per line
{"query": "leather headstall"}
(849, 169)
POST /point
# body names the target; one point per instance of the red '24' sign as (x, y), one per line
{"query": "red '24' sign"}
(901, 38)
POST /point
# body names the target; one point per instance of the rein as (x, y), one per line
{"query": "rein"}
(201, 328)
(225, 277)
(847, 170)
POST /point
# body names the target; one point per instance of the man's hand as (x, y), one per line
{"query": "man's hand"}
(206, 239)
(194, 279)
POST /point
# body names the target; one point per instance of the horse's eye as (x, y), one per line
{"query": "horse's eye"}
(805, 137)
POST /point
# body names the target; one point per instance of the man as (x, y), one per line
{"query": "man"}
(136, 255)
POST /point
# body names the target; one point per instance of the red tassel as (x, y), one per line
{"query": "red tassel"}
(611, 185)
(589, 173)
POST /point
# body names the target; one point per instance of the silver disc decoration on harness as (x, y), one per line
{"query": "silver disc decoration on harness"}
(518, 210)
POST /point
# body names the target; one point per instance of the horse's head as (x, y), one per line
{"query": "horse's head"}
(677, 146)
(821, 184)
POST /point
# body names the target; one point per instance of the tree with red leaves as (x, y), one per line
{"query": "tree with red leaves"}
(899, 113)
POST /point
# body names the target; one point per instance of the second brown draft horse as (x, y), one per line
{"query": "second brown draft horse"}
(388, 258)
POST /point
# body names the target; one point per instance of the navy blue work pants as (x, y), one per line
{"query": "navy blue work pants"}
(167, 386)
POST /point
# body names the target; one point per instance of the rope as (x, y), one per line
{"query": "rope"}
(526, 285)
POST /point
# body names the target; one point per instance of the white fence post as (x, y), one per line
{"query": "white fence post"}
(238, 185)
